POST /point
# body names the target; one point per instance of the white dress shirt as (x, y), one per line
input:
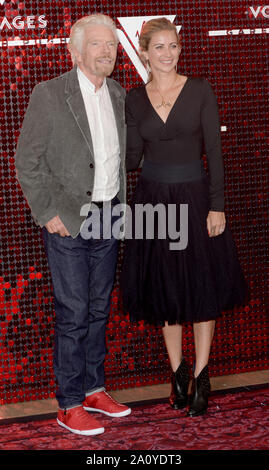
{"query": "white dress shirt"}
(104, 138)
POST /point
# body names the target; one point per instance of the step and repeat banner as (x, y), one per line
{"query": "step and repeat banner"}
(224, 41)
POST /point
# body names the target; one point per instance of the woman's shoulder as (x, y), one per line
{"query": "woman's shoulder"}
(204, 82)
(135, 98)
(203, 86)
(135, 92)
(198, 80)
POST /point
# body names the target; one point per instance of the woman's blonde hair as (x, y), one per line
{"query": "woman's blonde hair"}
(147, 31)
(78, 29)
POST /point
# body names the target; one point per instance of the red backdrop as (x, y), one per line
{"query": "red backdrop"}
(226, 42)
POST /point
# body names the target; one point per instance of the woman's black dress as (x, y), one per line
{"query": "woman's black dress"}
(200, 281)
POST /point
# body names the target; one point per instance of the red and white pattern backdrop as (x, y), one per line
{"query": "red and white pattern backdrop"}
(224, 41)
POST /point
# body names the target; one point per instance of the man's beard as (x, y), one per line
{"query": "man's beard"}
(107, 66)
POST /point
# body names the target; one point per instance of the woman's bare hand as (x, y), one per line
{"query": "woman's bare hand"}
(215, 223)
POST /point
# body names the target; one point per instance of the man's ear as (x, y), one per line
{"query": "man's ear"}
(75, 54)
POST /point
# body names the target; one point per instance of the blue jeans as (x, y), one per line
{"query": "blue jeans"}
(82, 272)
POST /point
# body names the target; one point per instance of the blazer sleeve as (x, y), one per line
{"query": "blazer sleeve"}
(212, 139)
(135, 143)
(30, 160)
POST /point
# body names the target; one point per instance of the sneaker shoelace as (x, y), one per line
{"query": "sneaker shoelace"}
(112, 399)
(83, 415)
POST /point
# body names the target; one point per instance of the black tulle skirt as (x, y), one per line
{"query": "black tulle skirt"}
(193, 284)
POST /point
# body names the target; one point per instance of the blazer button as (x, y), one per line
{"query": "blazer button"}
(89, 193)
(91, 165)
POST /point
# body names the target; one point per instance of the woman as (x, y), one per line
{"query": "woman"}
(168, 120)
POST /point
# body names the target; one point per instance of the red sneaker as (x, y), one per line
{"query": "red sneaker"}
(102, 402)
(78, 421)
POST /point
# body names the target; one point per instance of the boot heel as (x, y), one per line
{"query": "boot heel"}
(179, 386)
(200, 392)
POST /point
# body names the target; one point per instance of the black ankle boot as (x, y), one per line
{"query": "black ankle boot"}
(200, 392)
(180, 384)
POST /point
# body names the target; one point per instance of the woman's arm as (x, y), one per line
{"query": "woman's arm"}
(212, 139)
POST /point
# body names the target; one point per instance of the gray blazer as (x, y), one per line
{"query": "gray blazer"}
(55, 158)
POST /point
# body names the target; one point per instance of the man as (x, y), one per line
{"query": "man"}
(70, 153)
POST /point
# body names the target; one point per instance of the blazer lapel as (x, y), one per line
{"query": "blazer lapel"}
(118, 108)
(76, 104)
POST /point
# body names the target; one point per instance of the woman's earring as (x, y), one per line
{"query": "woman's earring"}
(148, 68)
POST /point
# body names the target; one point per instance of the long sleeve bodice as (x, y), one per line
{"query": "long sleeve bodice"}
(192, 125)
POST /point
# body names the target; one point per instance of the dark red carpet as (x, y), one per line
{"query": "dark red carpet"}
(235, 421)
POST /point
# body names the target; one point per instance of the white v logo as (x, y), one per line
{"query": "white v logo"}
(132, 26)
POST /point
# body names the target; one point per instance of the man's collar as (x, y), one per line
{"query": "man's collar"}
(89, 85)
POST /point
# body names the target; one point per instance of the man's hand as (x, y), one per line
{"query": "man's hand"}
(215, 223)
(55, 225)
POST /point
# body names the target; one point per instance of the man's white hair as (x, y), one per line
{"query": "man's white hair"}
(78, 29)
